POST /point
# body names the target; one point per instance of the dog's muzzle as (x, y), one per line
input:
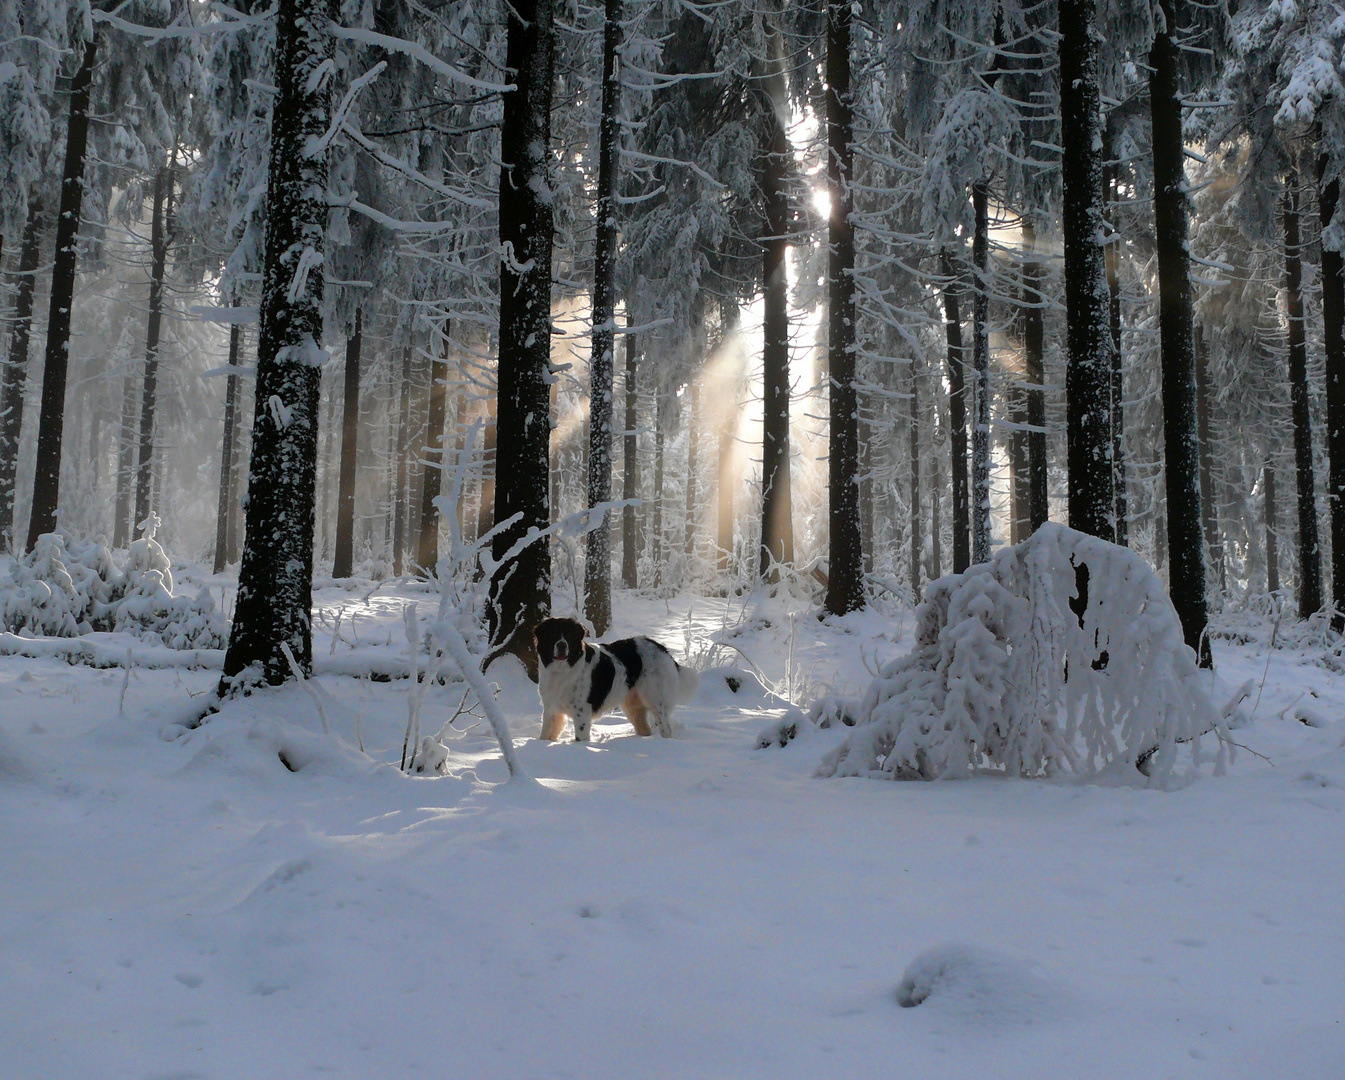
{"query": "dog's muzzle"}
(560, 652)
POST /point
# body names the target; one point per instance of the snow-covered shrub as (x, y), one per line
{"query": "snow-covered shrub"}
(1063, 653)
(66, 587)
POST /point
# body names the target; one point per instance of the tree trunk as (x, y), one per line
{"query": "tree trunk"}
(630, 470)
(161, 237)
(1309, 557)
(432, 475)
(1019, 479)
(520, 591)
(1333, 335)
(935, 520)
(1088, 344)
(51, 417)
(121, 524)
(693, 488)
(227, 451)
(1186, 562)
(399, 479)
(16, 369)
(1272, 534)
(917, 540)
(777, 526)
(957, 416)
(1034, 374)
(656, 523)
(1209, 513)
(1120, 510)
(598, 556)
(980, 355)
(343, 553)
(275, 580)
(485, 518)
(845, 561)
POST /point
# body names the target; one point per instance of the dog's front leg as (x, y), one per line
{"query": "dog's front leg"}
(551, 726)
(583, 720)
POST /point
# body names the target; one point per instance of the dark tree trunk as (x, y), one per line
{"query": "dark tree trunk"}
(435, 461)
(161, 238)
(630, 470)
(728, 426)
(866, 516)
(1186, 562)
(980, 362)
(520, 591)
(1034, 374)
(343, 552)
(399, 478)
(227, 450)
(1120, 509)
(1309, 556)
(957, 416)
(845, 562)
(275, 580)
(1019, 480)
(917, 540)
(1209, 512)
(1088, 344)
(121, 524)
(656, 518)
(1333, 334)
(1272, 534)
(935, 521)
(51, 417)
(598, 553)
(16, 368)
(777, 525)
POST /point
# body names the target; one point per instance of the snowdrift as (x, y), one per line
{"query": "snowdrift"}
(1062, 654)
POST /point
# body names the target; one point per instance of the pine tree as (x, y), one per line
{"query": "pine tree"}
(16, 368)
(343, 552)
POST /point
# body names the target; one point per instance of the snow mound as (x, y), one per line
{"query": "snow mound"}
(66, 587)
(1062, 654)
(978, 987)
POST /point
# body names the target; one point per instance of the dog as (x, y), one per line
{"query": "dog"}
(584, 681)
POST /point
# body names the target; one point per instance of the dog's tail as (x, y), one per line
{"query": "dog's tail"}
(688, 682)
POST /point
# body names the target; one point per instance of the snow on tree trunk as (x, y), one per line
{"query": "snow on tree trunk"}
(1333, 334)
(343, 553)
(161, 237)
(16, 369)
(520, 589)
(427, 542)
(1015, 669)
(1186, 561)
(1088, 362)
(228, 451)
(957, 415)
(598, 560)
(1309, 556)
(845, 559)
(275, 580)
(51, 415)
(980, 362)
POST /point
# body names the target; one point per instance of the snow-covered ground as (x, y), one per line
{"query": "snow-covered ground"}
(185, 905)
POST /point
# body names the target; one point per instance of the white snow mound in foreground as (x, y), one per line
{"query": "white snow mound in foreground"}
(978, 987)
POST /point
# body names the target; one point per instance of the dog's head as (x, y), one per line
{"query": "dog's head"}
(559, 639)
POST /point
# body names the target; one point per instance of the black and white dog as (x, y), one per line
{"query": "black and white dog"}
(583, 682)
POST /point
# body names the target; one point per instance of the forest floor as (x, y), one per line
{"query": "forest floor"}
(184, 905)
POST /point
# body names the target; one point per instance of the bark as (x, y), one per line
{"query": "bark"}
(957, 416)
(121, 523)
(1186, 562)
(16, 368)
(161, 238)
(1034, 374)
(1120, 510)
(845, 562)
(777, 527)
(1272, 533)
(1209, 512)
(400, 477)
(227, 449)
(435, 461)
(520, 590)
(656, 522)
(1309, 556)
(598, 554)
(1019, 480)
(630, 470)
(692, 492)
(1333, 334)
(51, 415)
(935, 521)
(1088, 343)
(275, 580)
(980, 353)
(917, 541)
(343, 554)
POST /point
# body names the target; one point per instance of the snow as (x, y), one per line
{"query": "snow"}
(254, 898)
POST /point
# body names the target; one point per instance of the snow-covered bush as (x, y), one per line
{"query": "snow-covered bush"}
(1063, 653)
(66, 587)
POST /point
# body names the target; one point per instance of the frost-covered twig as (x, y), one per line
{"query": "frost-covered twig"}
(299, 678)
(471, 671)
